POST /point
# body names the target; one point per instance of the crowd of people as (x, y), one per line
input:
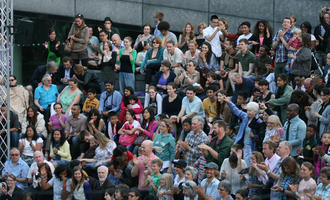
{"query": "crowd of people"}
(224, 116)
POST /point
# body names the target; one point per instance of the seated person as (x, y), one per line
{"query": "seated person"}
(187, 78)
(86, 79)
(59, 148)
(64, 73)
(174, 56)
(91, 102)
(164, 76)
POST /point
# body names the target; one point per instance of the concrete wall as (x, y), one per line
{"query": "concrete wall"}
(178, 12)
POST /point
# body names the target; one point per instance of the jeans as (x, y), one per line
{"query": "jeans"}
(75, 146)
(14, 137)
(126, 79)
(150, 70)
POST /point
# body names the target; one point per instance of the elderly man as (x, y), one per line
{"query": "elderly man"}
(117, 43)
(45, 95)
(102, 184)
(142, 163)
(209, 185)
(219, 147)
(194, 138)
(294, 129)
(283, 151)
(38, 160)
(241, 84)
(17, 167)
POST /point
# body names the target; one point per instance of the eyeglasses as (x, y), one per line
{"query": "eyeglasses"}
(14, 154)
(11, 79)
(221, 189)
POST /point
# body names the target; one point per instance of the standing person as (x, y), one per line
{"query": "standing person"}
(246, 59)
(78, 38)
(280, 42)
(143, 162)
(294, 129)
(80, 186)
(219, 147)
(158, 17)
(126, 65)
(110, 30)
(53, 47)
(164, 145)
(262, 36)
(282, 97)
(166, 35)
(212, 35)
(209, 186)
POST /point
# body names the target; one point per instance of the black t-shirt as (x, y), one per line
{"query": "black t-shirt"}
(172, 108)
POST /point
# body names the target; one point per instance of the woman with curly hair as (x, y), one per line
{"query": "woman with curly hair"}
(262, 35)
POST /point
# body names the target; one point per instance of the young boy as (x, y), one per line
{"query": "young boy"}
(114, 126)
(308, 144)
(91, 101)
(152, 177)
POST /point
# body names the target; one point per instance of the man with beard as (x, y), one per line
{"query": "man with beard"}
(102, 184)
(210, 183)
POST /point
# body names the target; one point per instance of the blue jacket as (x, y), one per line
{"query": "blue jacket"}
(297, 133)
(245, 120)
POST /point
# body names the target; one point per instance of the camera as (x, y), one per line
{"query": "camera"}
(108, 107)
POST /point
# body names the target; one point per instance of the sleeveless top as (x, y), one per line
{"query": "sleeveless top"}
(66, 98)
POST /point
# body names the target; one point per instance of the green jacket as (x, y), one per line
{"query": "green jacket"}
(223, 149)
(283, 102)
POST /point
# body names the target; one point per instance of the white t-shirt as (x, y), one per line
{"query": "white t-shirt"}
(28, 151)
(243, 37)
(34, 167)
(215, 42)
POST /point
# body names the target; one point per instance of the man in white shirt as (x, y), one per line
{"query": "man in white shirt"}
(174, 55)
(268, 149)
(212, 35)
(245, 27)
(38, 159)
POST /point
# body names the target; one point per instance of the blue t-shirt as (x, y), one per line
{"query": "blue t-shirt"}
(46, 97)
(194, 106)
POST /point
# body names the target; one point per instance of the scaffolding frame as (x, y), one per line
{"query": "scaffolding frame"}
(6, 68)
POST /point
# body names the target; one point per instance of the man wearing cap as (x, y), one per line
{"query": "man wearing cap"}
(109, 28)
(209, 186)
(220, 145)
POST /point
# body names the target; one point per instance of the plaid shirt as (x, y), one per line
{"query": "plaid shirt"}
(194, 140)
(281, 51)
(323, 191)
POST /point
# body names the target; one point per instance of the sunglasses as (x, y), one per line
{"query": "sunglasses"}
(11, 79)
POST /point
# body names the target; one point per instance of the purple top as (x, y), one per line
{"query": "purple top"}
(162, 81)
(56, 122)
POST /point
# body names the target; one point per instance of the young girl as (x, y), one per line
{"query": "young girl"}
(127, 134)
(153, 99)
(59, 148)
(294, 44)
(164, 190)
(133, 104)
(318, 162)
(307, 185)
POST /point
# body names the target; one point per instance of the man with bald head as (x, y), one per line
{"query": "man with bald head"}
(309, 86)
(142, 163)
(38, 160)
(117, 43)
(294, 130)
